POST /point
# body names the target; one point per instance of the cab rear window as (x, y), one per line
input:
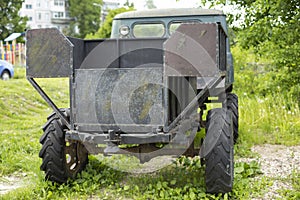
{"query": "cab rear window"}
(175, 24)
(148, 30)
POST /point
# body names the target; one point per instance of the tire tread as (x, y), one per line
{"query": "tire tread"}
(219, 179)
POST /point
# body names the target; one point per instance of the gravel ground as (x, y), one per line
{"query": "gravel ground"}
(277, 162)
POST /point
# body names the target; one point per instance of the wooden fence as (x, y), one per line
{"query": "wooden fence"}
(13, 52)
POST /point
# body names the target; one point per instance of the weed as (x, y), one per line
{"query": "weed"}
(294, 180)
(23, 112)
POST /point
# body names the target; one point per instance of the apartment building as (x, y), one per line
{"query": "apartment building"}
(46, 13)
(54, 13)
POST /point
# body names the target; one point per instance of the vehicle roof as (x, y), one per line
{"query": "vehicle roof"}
(169, 12)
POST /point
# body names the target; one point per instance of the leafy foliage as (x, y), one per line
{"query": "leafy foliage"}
(272, 30)
(128, 4)
(246, 170)
(266, 114)
(105, 30)
(86, 17)
(10, 20)
(294, 178)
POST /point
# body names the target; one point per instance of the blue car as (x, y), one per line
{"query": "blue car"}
(6, 70)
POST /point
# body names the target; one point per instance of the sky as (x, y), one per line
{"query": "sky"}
(139, 4)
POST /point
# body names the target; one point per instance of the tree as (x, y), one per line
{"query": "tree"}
(86, 16)
(128, 5)
(10, 20)
(149, 4)
(272, 29)
(105, 30)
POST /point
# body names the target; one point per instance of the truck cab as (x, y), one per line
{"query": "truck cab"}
(162, 23)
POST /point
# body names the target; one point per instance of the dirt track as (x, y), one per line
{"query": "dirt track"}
(276, 161)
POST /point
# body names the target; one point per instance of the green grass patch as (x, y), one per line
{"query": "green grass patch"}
(294, 180)
(272, 120)
(181, 180)
(268, 119)
(268, 112)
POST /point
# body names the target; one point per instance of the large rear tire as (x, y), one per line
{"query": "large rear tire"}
(61, 159)
(232, 103)
(219, 161)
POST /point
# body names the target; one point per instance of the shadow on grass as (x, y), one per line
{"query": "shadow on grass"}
(98, 180)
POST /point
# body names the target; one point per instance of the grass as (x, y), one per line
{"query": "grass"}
(23, 112)
(265, 117)
(294, 180)
(269, 120)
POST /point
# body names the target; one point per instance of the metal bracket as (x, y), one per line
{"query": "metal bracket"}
(50, 102)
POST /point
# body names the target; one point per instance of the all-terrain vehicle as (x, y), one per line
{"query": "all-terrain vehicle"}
(142, 92)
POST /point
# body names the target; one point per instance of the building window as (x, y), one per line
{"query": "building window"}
(29, 18)
(38, 4)
(28, 6)
(58, 3)
(47, 16)
(58, 15)
(39, 16)
(39, 26)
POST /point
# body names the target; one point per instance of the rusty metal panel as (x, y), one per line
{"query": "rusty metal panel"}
(120, 98)
(141, 52)
(49, 54)
(181, 91)
(104, 55)
(123, 53)
(222, 49)
(193, 50)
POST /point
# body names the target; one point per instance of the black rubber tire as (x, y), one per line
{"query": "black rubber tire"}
(5, 75)
(61, 160)
(232, 102)
(219, 161)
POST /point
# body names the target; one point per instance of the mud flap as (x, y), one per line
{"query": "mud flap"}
(209, 143)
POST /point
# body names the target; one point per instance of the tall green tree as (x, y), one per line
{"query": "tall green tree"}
(272, 29)
(105, 30)
(10, 20)
(86, 15)
(127, 4)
